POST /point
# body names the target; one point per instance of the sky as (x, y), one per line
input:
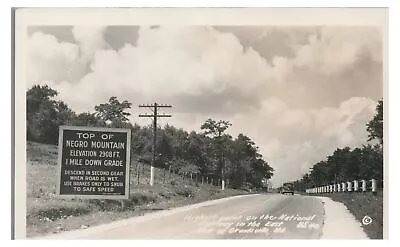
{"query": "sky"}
(298, 92)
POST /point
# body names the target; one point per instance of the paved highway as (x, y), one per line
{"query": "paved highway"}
(264, 216)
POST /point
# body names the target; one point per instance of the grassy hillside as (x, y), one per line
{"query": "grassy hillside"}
(365, 204)
(46, 213)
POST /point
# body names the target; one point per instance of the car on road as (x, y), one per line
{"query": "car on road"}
(287, 188)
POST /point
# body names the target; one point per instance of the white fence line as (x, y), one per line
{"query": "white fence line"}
(349, 186)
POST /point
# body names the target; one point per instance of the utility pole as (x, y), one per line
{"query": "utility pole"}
(154, 107)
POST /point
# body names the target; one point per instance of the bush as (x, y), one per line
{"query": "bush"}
(184, 191)
(55, 210)
(140, 198)
(105, 205)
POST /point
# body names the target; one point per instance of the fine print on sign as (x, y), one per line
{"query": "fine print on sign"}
(94, 162)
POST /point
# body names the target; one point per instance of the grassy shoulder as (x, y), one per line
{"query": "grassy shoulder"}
(361, 205)
(46, 213)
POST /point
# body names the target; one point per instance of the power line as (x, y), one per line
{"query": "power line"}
(154, 107)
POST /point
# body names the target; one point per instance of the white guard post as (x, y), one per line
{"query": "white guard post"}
(355, 185)
(349, 186)
(364, 185)
(373, 185)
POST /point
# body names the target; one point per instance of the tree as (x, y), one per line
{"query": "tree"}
(345, 165)
(243, 153)
(138, 139)
(165, 151)
(197, 151)
(336, 165)
(375, 126)
(249, 166)
(216, 131)
(44, 114)
(42, 125)
(64, 114)
(36, 96)
(372, 162)
(260, 171)
(39, 111)
(114, 112)
(87, 119)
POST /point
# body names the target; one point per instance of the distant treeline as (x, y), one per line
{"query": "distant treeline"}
(347, 164)
(211, 152)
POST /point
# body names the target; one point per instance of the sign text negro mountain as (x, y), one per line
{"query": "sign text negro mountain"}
(94, 162)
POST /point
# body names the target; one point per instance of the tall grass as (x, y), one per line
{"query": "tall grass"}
(46, 211)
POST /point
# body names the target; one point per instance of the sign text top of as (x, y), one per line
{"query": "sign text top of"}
(94, 162)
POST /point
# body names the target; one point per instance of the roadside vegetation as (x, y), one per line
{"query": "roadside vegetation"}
(364, 205)
(211, 152)
(189, 165)
(346, 164)
(46, 213)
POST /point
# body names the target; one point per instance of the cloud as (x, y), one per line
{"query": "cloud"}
(197, 63)
(90, 39)
(298, 108)
(195, 60)
(50, 60)
(338, 122)
(325, 50)
(337, 49)
(293, 140)
(174, 63)
(318, 65)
